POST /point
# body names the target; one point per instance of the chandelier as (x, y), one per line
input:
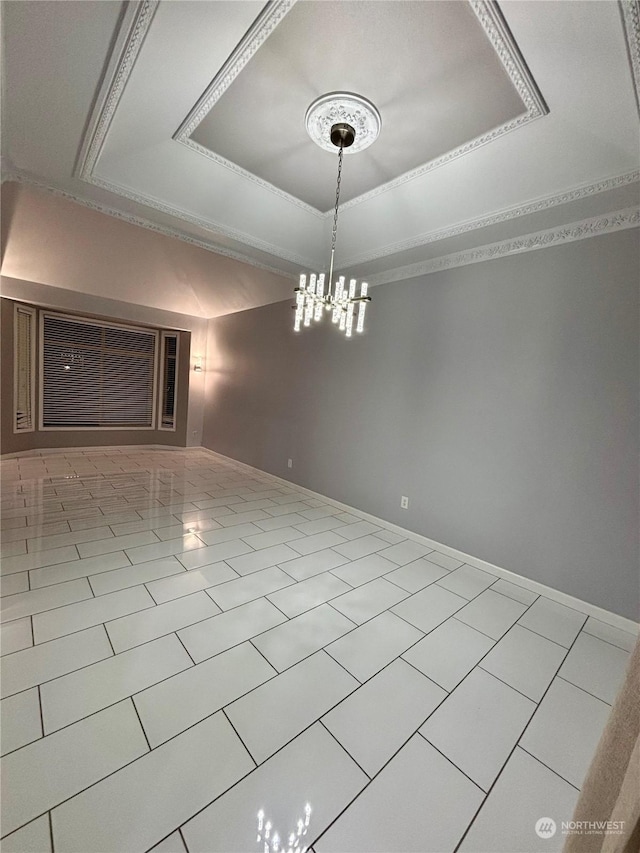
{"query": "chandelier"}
(339, 120)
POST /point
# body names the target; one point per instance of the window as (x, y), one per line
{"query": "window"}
(24, 362)
(96, 375)
(168, 380)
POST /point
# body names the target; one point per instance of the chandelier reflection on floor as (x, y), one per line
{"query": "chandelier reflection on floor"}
(331, 123)
(270, 842)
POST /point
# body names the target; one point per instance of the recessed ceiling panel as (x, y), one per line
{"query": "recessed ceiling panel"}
(428, 67)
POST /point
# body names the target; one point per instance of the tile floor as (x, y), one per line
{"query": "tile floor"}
(199, 657)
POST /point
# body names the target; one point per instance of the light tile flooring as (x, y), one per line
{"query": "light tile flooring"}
(198, 657)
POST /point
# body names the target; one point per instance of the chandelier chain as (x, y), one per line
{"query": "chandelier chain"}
(335, 213)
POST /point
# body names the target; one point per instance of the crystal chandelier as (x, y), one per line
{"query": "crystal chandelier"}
(331, 122)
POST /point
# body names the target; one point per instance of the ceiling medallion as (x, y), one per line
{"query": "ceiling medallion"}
(346, 107)
(345, 122)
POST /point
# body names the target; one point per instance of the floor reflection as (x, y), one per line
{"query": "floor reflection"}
(269, 840)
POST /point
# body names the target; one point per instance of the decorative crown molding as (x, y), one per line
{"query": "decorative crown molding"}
(243, 173)
(133, 28)
(497, 32)
(256, 35)
(593, 227)
(504, 44)
(507, 213)
(631, 19)
(21, 177)
(261, 29)
(205, 224)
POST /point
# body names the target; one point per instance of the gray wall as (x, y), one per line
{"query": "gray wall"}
(502, 398)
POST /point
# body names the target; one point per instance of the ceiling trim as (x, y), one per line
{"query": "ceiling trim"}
(21, 177)
(205, 224)
(266, 22)
(592, 227)
(243, 173)
(580, 230)
(504, 215)
(256, 35)
(631, 20)
(132, 30)
(496, 30)
(134, 26)
(499, 34)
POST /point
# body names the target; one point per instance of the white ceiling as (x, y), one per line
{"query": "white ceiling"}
(189, 116)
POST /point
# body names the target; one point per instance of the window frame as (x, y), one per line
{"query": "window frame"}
(31, 312)
(161, 391)
(87, 321)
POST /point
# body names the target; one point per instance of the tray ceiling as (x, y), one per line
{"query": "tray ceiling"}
(440, 85)
(188, 118)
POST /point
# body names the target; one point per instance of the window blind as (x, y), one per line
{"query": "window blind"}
(96, 375)
(24, 369)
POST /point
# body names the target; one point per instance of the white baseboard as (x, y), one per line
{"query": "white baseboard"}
(541, 589)
(50, 451)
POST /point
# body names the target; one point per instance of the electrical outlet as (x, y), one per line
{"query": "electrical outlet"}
(404, 502)
(289, 463)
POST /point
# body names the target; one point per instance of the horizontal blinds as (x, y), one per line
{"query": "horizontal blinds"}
(24, 378)
(96, 375)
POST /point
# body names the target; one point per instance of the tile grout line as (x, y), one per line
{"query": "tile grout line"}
(179, 639)
(208, 716)
(50, 815)
(248, 751)
(522, 733)
(445, 697)
(327, 602)
(166, 678)
(502, 681)
(137, 713)
(550, 769)
(386, 763)
(70, 604)
(429, 677)
(582, 689)
(253, 645)
(341, 745)
(104, 624)
(549, 638)
(450, 760)
(484, 633)
(40, 712)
